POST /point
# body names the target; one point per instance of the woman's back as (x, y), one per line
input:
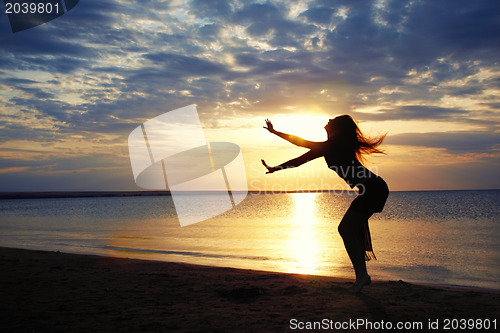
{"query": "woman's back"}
(341, 158)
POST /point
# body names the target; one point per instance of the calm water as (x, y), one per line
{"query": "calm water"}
(448, 237)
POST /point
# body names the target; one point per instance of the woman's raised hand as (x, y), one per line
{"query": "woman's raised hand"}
(269, 127)
(269, 169)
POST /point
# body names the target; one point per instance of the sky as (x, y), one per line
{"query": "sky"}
(427, 73)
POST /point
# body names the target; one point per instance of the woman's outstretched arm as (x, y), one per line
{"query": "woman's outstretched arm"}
(309, 156)
(291, 138)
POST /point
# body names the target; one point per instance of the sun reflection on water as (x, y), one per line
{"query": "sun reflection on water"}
(303, 241)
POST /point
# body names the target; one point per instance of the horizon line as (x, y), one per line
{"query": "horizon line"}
(129, 193)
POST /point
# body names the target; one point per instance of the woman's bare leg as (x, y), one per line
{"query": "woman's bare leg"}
(351, 228)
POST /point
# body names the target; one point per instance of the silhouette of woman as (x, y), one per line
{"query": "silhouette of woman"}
(343, 151)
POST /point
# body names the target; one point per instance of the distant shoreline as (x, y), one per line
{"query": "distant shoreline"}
(79, 194)
(104, 194)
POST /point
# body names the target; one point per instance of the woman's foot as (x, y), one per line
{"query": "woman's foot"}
(359, 284)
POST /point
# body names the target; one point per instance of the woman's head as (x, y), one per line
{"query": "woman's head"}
(344, 128)
(341, 126)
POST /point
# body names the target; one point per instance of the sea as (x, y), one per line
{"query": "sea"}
(435, 237)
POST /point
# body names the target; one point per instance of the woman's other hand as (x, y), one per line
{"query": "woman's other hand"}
(269, 169)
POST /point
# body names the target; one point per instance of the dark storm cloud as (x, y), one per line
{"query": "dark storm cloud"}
(462, 29)
(432, 114)
(17, 81)
(55, 109)
(19, 131)
(64, 36)
(413, 36)
(320, 15)
(93, 20)
(470, 89)
(211, 8)
(31, 44)
(259, 66)
(209, 31)
(65, 45)
(494, 105)
(453, 142)
(264, 19)
(414, 112)
(36, 92)
(53, 173)
(185, 66)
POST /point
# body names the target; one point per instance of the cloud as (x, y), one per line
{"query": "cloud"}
(463, 30)
(413, 112)
(184, 66)
(453, 142)
(104, 67)
(319, 15)
(211, 8)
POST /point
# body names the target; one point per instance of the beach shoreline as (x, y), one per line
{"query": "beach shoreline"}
(53, 292)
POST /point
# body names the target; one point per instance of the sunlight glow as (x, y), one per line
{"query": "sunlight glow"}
(304, 243)
(309, 127)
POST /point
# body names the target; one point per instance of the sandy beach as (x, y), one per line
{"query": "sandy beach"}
(58, 292)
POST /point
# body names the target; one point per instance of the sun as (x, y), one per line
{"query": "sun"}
(309, 127)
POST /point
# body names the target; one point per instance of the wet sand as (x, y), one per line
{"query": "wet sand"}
(58, 292)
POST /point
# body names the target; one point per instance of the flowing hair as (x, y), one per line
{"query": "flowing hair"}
(346, 129)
